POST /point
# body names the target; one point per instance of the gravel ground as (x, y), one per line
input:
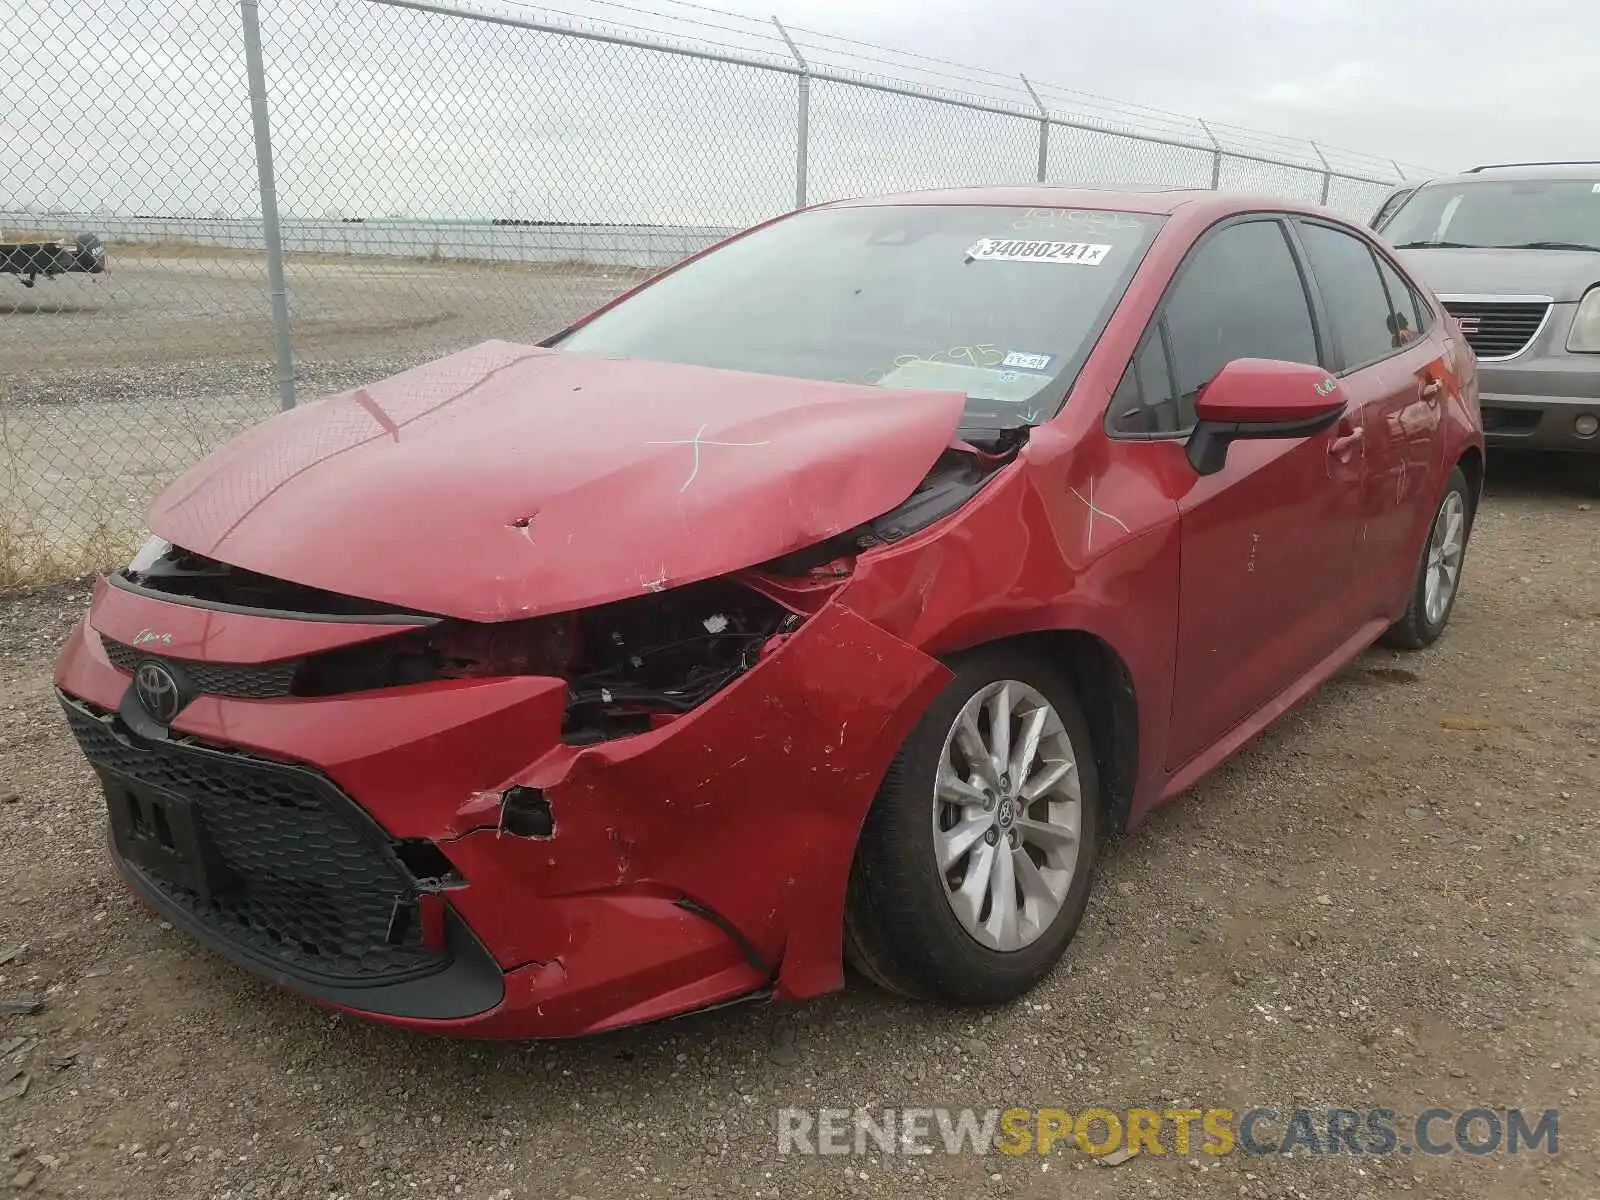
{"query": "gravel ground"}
(1387, 901)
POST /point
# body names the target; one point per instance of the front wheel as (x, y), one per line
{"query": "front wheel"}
(976, 859)
(1438, 578)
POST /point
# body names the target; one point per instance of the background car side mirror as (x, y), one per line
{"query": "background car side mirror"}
(1260, 398)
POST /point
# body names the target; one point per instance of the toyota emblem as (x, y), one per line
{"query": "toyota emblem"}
(158, 691)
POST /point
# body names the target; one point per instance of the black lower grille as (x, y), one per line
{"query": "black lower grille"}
(1501, 328)
(306, 880)
(1511, 420)
(251, 681)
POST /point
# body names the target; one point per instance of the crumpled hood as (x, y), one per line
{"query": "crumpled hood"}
(1563, 275)
(508, 480)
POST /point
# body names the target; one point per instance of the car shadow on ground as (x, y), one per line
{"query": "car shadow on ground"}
(1543, 475)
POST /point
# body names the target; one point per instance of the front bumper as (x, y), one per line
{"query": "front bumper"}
(1522, 422)
(1535, 400)
(689, 866)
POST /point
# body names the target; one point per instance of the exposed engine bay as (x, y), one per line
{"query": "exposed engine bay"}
(629, 665)
(664, 653)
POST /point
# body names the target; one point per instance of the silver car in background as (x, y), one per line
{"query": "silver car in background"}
(1513, 251)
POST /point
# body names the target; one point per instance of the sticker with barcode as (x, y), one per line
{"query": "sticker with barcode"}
(1081, 254)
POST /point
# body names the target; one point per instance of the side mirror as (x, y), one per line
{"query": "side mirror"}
(1260, 398)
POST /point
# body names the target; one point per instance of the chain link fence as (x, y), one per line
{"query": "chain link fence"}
(437, 176)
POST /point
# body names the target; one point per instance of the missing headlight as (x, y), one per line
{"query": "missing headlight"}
(629, 665)
(652, 657)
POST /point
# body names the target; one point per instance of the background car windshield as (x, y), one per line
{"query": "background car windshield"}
(1000, 303)
(1501, 213)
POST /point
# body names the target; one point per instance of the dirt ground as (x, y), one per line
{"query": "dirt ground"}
(1387, 901)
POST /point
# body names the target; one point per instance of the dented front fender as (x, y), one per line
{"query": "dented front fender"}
(748, 807)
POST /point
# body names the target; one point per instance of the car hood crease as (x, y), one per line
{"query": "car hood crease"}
(509, 480)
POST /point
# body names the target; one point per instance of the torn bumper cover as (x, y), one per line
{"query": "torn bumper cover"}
(442, 855)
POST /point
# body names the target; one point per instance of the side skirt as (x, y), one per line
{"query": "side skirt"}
(1204, 762)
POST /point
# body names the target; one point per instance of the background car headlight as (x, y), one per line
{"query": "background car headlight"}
(1585, 335)
(148, 555)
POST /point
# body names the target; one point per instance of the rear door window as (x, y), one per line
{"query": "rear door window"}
(1409, 320)
(1352, 290)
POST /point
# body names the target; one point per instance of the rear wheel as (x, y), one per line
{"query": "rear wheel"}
(1438, 580)
(976, 859)
(89, 253)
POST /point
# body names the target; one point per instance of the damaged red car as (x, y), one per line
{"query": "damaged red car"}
(825, 599)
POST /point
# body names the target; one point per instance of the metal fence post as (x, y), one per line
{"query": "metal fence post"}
(1327, 172)
(272, 239)
(1216, 157)
(802, 134)
(1044, 129)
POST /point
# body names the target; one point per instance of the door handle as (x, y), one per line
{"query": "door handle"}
(1342, 446)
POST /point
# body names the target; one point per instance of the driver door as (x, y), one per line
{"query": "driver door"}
(1267, 543)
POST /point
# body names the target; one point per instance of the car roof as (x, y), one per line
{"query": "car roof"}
(1153, 201)
(1534, 171)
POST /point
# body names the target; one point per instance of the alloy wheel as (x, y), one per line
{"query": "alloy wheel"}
(1446, 544)
(1007, 815)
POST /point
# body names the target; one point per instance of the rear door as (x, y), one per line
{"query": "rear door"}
(1387, 365)
(1267, 542)
(1421, 358)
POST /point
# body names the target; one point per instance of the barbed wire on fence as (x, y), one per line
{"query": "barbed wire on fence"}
(443, 172)
(681, 24)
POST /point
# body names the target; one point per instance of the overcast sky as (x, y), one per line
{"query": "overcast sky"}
(1444, 83)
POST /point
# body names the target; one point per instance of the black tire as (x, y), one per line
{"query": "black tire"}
(1415, 630)
(89, 253)
(900, 930)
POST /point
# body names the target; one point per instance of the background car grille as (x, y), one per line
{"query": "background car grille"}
(313, 884)
(1503, 328)
(250, 681)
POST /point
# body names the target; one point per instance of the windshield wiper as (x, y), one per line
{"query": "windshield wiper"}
(1550, 246)
(1438, 246)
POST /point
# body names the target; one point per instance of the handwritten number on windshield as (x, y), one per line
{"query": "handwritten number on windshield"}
(983, 354)
(1076, 218)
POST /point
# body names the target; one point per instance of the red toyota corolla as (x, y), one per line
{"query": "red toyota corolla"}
(827, 597)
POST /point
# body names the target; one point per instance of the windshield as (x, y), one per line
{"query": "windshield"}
(1536, 213)
(1002, 304)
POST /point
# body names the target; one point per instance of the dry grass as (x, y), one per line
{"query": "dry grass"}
(29, 557)
(178, 248)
